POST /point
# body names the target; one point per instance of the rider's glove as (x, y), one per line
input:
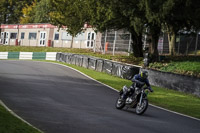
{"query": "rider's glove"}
(151, 90)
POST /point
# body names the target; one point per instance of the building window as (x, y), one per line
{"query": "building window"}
(90, 39)
(56, 37)
(13, 35)
(66, 36)
(22, 35)
(32, 36)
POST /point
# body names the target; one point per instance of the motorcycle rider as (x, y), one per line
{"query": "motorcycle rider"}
(139, 80)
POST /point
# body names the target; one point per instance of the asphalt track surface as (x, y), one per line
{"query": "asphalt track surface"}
(57, 99)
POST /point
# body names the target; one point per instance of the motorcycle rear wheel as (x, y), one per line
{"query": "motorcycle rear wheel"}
(120, 103)
(140, 109)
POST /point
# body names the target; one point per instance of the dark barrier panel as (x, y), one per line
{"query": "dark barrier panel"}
(79, 60)
(58, 56)
(65, 57)
(68, 58)
(128, 71)
(62, 56)
(175, 81)
(99, 66)
(73, 59)
(92, 63)
(85, 61)
(117, 69)
(107, 67)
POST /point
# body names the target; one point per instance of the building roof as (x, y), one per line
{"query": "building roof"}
(26, 26)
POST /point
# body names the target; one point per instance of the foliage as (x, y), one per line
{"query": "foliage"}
(28, 13)
(42, 11)
(179, 65)
(118, 14)
(173, 15)
(11, 10)
(37, 12)
(70, 13)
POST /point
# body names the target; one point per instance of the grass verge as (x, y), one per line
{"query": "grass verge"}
(173, 100)
(116, 57)
(188, 65)
(11, 124)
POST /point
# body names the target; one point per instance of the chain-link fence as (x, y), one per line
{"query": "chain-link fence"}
(119, 42)
(186, 44)
(115, 42)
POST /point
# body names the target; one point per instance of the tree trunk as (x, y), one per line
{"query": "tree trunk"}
(72, 42)
(137, 44)
(153, 46)
(172, 41)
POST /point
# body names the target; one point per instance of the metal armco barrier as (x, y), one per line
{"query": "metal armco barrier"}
(13, 55)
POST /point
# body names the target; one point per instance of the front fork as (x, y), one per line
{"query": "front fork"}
(141, 96)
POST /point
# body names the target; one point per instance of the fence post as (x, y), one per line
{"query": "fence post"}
(95, 41)
(129, 45)
(179, 43)
(197, 37)
(114, 43)
(105, 42)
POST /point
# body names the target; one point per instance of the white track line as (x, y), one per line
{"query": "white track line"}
(15, 115)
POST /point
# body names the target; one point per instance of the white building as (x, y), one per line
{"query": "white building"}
(44, 35)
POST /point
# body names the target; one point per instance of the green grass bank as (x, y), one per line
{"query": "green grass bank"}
(11, 124)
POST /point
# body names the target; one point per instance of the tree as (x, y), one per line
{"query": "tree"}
(70, 13)
(37, 12)
(118, 14)
(153, 24)
(42, 11)
(11, 10)
(28, 13)
(172, 15)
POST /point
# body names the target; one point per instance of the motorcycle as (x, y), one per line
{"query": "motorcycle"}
(136, 99)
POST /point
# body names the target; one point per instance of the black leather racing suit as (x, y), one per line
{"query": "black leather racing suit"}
(139, 81)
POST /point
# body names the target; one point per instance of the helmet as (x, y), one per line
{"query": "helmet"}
(144, 74)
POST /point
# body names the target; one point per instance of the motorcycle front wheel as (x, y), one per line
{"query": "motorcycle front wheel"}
(140, 109)
(120, 103)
